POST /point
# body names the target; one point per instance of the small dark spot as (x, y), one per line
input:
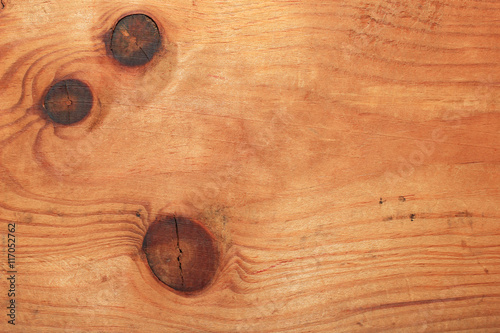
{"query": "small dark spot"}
(389, 218)
(138, 214)
(381, 201)
(463, 214)
(402, 199)
(68, 102)
(104, 278)
(486, 271)
(181, 253)
(412, 217)
(359, 323)
(135, 40)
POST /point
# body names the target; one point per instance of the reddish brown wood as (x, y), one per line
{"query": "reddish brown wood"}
(135, 40)
(343, 154)
(181, 253)
(68, 101)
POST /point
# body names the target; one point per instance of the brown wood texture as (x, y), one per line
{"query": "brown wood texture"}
(343, 154)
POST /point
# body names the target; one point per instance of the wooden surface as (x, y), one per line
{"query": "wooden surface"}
(344, 155)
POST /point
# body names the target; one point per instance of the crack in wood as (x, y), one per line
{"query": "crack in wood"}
(179, 257)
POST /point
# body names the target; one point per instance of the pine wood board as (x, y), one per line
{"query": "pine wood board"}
(344, 154)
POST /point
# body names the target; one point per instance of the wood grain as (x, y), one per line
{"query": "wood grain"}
(344, 155)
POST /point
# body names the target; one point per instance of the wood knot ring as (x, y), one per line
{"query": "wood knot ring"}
(135, 40)
(181, 253)
(68, 101)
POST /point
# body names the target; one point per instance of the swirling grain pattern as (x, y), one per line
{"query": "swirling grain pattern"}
(343, 154)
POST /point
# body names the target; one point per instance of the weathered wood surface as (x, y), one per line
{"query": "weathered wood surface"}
(344, 154)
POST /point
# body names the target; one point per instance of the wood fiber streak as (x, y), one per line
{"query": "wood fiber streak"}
(343, 154)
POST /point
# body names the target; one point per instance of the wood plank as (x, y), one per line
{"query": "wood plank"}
(343, 156)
